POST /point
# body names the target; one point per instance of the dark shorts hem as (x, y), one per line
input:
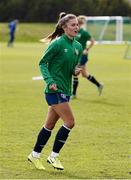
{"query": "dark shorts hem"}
(56, 98)
(84, 60)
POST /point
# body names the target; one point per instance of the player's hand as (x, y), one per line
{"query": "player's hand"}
(85, 52)
(53, 87)
(78, 70)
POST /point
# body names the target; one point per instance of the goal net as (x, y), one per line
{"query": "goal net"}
(106, 29)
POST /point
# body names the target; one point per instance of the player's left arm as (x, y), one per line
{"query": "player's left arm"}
(91, 43)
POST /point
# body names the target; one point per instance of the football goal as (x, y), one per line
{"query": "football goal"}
(106, 29)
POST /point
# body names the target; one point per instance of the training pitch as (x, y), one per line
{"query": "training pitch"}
(98, 146)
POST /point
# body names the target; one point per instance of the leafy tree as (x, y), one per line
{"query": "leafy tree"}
(48, 10)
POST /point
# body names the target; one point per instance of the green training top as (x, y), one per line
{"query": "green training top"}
(58, 63)
(82, 37)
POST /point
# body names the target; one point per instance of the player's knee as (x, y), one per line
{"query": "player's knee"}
(70, 124)
(49, 126)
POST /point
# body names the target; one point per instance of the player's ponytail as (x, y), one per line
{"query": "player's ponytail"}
(63, 19)
(58, 30)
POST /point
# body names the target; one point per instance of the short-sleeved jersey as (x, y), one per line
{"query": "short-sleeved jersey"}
(82, 37)
(58, 63)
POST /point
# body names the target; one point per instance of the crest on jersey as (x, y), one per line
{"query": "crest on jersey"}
(65, 50)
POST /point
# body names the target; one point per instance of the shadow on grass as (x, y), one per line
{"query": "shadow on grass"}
(57, 174)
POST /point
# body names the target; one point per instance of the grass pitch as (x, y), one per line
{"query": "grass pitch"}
(98, 146)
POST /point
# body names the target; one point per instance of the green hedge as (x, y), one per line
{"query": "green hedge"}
(27, 32)
(33, 32)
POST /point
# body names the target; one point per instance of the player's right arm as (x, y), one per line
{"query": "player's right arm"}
(45, 61)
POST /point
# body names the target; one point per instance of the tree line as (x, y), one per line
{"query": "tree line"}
(48, 10)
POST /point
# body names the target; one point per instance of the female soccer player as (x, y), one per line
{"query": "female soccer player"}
(57, 66)
(83, 37)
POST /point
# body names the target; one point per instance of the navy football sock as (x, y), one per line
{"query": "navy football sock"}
(42, 139)
(61, 138)
(93, 80)
(75, 85)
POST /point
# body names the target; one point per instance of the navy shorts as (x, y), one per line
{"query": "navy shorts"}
(84, 59)
(56, 98)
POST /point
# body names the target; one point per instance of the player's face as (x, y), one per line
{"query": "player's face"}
(71, 28)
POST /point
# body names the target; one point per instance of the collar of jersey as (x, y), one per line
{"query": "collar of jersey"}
(69, 40)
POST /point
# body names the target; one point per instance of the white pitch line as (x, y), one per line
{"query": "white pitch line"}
(37, 78)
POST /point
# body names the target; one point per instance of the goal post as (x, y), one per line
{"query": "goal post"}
(106, 29)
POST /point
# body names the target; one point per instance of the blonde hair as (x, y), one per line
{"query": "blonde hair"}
(81, 19)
